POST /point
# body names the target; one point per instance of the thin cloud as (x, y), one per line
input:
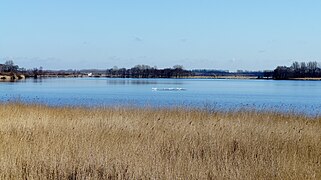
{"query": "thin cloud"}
(183, 40)
(233, 60)
(138, 39)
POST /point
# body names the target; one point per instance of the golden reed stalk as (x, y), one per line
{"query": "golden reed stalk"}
(39, 142)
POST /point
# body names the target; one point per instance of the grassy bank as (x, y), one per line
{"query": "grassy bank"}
(38, 142)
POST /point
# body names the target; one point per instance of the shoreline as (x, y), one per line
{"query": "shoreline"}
(183, 77)
(14, 78)
(11, 78)
(305, 79)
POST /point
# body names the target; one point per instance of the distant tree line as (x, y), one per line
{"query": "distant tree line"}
(10, 68)
(298, 70)
(210, 72)
(138, 71)
(145, 71)
(177, 71)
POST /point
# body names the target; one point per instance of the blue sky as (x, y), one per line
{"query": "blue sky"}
(212, 34)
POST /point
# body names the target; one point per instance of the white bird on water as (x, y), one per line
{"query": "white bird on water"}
(168, 89)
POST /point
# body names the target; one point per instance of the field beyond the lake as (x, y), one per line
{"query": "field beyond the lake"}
(40, 142)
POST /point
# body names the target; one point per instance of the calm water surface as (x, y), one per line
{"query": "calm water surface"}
(298, 96)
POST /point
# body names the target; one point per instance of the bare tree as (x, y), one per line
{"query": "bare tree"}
(296, 68)
(178, 70)
(9, 66)
(312, 67)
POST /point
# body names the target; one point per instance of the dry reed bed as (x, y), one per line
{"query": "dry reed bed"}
(38, 142)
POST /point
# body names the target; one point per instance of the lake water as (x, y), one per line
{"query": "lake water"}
(298, 96)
